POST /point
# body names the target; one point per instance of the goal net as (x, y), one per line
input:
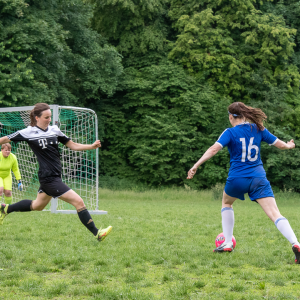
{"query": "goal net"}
(79, 168)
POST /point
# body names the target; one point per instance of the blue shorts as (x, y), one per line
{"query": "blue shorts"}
(255, 187)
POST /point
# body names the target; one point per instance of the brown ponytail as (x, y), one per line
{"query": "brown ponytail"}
(37, 112)
(254, 115)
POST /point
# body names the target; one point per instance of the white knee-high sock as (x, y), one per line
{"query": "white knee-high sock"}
(285, 228)
(227, 223)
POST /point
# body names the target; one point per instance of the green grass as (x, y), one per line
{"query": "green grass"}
(160, 248)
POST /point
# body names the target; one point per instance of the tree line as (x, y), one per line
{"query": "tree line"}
(160, 75)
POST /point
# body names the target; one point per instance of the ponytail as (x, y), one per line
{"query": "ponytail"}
(254, 115)
(37, 112)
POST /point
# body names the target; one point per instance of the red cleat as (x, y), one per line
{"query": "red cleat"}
(296, 250)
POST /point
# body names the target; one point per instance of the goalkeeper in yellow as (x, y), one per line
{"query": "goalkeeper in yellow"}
(8, 162)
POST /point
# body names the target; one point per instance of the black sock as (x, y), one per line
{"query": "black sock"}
(87, 220)
(23, 205)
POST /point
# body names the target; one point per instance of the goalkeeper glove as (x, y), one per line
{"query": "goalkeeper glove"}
(20, 185)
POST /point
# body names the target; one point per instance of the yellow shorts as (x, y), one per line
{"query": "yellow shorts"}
(6, 182)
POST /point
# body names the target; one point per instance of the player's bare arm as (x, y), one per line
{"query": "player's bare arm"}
(284, 146)
(210, 152)
(4, 140)
(81, 147)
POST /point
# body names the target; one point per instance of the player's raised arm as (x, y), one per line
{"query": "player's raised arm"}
(210, 152)
(4, 140)
(81, 147)
(284, 146)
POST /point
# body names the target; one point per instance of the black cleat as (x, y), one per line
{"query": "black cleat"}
(296, 250)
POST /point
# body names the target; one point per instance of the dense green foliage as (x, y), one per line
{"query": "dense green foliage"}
(232, 50)
(49, 54)
(169, 124)
(166, 102)
(185, 61)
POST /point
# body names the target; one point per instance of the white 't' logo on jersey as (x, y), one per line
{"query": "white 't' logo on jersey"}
(43, 142)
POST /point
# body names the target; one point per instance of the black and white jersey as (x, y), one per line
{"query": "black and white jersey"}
(44, 144)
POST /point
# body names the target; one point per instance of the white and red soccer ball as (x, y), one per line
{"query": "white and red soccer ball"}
(220, 239)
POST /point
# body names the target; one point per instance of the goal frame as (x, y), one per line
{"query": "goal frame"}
(55, 121)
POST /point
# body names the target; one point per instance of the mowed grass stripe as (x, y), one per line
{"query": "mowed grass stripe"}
(161, 247)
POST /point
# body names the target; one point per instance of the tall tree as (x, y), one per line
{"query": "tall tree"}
(241, 51)
(158, 120)
(165, 121)
(226, 50)
(139, 29)
(49, 53)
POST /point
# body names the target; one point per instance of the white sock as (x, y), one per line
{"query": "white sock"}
(227, 223)
(285, 228)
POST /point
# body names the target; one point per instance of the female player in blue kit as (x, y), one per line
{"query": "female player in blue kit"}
(246, 173)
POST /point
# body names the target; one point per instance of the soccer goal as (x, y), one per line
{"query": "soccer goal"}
(79, 168)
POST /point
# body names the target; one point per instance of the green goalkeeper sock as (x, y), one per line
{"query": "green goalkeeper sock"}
(7, 200)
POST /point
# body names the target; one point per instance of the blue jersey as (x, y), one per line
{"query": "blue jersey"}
(243, 142)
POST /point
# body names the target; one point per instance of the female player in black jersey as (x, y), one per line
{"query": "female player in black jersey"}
(43, 139)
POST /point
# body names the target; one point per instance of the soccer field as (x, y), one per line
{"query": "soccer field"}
(161, 247)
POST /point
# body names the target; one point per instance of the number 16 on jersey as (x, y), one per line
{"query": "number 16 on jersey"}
(250, 147)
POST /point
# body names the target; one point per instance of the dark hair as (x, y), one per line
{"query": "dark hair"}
(37, 112)
(8, 145)
(255, 115)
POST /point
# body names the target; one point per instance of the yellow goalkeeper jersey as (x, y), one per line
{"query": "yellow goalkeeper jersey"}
(7, 164)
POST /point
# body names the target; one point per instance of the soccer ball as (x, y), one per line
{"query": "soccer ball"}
(220, 239)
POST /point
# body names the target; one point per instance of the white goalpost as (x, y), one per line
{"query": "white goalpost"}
(79, 168)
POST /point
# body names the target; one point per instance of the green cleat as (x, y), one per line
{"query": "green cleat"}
(102, 233)
(3, 212)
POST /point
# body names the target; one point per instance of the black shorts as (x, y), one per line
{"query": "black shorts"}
(53, 186)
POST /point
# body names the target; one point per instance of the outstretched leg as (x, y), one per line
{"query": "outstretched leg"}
(84, 216)
(269, 206)
(39, 203)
